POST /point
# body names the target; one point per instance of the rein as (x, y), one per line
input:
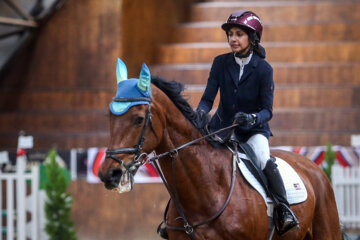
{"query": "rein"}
(175, 150)
(190, 229)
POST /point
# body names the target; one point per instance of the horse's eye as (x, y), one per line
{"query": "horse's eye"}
(139, 120)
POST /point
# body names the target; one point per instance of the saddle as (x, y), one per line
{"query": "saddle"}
(249, 159)
(249, 166)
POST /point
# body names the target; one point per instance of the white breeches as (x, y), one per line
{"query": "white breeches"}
(260, 144)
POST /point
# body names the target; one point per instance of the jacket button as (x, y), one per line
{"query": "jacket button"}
(235, 91)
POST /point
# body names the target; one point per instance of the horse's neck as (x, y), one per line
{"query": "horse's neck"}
(199, 169)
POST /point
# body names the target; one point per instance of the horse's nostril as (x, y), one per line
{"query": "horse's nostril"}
(112, 178)
(115, 172)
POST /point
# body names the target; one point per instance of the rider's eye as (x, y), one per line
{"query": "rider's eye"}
(139, 120)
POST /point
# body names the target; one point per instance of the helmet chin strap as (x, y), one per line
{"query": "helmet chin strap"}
(244, 55)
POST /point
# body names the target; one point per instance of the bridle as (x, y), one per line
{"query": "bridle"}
(142, 158)
(139, 158)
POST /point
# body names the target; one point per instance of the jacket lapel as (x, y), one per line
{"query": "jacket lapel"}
(249, 68)
(233, 68)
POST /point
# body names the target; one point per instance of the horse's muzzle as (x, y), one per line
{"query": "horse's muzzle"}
(118, 180)
(112, 179)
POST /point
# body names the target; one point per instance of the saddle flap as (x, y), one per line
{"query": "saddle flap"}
(295, 189)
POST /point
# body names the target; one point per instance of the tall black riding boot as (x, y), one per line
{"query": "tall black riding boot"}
(285, 220)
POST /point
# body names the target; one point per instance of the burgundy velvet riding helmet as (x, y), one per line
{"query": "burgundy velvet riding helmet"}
(243, 18)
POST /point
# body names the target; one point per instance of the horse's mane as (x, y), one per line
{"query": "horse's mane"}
(173, 90)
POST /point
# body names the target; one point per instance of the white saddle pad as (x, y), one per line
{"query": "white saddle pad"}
(295, 188)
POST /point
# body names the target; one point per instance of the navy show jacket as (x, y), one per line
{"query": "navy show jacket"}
(253, 93)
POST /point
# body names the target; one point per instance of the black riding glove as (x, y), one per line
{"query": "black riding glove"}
(245, 119)
(202, 118)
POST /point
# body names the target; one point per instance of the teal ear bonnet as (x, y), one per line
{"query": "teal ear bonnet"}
(130, 89)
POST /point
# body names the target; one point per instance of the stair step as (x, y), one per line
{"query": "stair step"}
(285, 119)
(316, 119)
(60, 100)
(212, 32)
(289, 96)
(330, 73)
(280, 11)
(316, 96)
(45, 121)
(276, 52)
(310, 138)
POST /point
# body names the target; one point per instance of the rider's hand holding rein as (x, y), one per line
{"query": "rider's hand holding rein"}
(245, 119)
(202, 118)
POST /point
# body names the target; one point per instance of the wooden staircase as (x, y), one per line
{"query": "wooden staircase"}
(59, 87)
(314, 48)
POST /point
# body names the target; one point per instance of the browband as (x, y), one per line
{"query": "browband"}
(132, 99)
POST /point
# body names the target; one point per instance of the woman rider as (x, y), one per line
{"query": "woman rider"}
(245, 80)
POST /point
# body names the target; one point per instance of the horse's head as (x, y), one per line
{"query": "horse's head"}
(130, 124)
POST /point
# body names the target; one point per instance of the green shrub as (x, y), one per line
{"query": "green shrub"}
(329, 160)
(59, 203)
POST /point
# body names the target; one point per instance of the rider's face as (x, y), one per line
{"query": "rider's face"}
(238, 40)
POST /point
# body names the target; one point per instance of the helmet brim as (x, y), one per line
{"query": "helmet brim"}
(227, 26)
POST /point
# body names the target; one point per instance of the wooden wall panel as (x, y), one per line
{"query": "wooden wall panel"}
(146, 25)
(76, 48)
(81, 121)
(56, 100)
(101, 214)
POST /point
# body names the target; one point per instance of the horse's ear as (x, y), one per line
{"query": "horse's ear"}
(121, 71)
(144, 79)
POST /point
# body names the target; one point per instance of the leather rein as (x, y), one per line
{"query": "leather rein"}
(190, 229)
(141, 159)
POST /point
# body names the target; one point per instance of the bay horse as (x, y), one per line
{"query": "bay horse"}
(160, 121)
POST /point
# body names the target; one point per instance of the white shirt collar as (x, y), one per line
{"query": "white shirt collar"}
(243, 61)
